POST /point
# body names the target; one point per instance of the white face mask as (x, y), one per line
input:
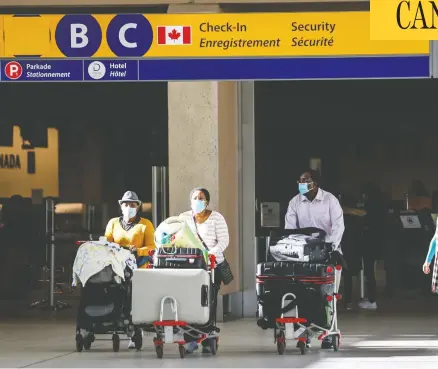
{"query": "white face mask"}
(129, 213)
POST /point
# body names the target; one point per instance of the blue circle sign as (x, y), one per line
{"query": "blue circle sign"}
(78, 35)
(129, 35)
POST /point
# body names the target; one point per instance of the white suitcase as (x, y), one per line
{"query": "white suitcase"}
(189, 287)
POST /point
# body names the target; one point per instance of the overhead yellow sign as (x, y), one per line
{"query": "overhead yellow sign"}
(404, 20)
(16, 178)
(196, 35)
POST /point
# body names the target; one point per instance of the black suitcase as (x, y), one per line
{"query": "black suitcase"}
(309, 282)
(294, 269)
(316, 249)
(179, 258)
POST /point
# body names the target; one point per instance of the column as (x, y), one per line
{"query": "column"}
(203, 148)
(211, 144)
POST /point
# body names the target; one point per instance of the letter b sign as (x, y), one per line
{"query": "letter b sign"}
(78, 35)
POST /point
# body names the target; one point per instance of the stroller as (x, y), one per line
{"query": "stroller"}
(105, 302)
(296, 289)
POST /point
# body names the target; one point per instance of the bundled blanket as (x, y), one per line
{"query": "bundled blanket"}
(175, 232)
(94, 256)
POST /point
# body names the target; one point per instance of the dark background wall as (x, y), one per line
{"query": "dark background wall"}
(380, 131)
(108, 133)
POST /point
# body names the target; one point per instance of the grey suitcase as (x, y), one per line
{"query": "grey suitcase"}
(189, 287)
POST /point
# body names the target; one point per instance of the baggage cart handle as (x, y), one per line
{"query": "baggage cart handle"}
(212, 259)
(283, 301)
(173, 306)
(309, 231)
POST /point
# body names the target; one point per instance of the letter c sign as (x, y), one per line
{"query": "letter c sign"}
(128, 35)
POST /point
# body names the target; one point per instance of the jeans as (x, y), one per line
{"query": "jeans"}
(369, 262)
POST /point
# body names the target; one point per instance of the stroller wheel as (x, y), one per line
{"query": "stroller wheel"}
(87, 342)
(116, 343)
(138, 340)
(79, 343)
(182, 351)
(213, 345)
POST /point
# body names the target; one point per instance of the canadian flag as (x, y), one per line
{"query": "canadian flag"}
(174, 35)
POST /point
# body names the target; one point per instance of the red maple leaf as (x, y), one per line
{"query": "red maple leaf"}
(174, 35)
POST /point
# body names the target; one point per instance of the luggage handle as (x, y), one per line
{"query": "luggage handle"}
(204, 295)
(177, 260)
(169, 253)
(309, 231)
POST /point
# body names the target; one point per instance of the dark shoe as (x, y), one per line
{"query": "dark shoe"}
(327, 343)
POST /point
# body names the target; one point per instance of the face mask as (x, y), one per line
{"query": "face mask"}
(129, 213)
(303, 188)
(198, 206)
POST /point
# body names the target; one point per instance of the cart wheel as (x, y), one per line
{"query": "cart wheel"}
(116, 343)
(335, 342)
(281, 343)
(182, 351)
(159, 350)
(138, 340)
(280, 348)
(302, 346)
(79, 343)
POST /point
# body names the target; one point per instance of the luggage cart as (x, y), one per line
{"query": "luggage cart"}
(294, 327)
(173, 331)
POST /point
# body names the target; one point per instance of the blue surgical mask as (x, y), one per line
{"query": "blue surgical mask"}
(303, 188)
(198, 206)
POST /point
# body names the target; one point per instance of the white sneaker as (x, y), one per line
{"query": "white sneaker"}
(367, 305)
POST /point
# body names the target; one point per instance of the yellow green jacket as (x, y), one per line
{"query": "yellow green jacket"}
(141, 235)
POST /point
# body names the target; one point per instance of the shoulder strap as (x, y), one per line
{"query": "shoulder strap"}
(199, 236)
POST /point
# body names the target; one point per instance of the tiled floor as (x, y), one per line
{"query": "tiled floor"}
(402, 334)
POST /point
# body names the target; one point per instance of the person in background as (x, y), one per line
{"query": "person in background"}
(132, 232)
(314, 207)
(16, 247)
(212, 230)
(351, 246)
(431, 254)
(373, 239)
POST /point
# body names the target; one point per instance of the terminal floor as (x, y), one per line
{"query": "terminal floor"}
(402, 334)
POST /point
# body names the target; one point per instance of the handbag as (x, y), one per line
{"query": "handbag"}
(223, 269)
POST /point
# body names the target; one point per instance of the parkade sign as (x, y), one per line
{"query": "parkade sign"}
(136, 47)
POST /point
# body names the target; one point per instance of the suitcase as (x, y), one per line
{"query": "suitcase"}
(275, 279)
(303, 245)
(179, 258)
(190, 288)
(294, 269)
